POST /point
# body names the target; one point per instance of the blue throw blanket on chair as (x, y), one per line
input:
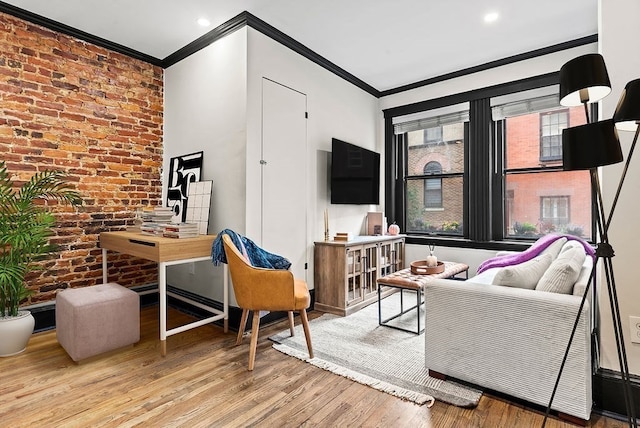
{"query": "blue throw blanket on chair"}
(256, 255)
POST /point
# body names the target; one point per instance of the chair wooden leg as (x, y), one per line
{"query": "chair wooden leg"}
(291, 322)
(243, 324)
(255, 326)
(307, 334)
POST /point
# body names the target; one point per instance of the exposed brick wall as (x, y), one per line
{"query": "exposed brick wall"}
(66, 104)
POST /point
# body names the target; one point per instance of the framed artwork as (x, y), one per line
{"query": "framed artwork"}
(374, 223)
(183, 170)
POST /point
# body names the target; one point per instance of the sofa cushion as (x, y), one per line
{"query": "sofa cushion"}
(563, 272)
(524, 275)
(555, 248)
(485, 277)
(571, 244)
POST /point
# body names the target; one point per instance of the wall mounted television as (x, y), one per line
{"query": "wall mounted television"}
(355, 174)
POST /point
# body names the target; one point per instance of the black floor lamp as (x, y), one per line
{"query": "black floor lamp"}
(587, 147)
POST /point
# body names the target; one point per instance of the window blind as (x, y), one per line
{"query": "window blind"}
(525, 102)
(519, 108)
(431, 118)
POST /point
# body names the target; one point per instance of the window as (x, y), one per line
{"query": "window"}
(433, 135)
(495, 176)
(433, 186)
(554, 211)
(530, 210)
(551, 126)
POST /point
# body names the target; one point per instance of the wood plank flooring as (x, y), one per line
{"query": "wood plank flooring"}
(203, 382)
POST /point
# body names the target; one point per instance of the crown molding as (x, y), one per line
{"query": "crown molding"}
(493, 64)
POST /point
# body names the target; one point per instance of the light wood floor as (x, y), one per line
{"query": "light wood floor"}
(203, 382)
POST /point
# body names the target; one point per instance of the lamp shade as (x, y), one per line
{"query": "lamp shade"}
(590, 146)
(584, 79)
(627, 112)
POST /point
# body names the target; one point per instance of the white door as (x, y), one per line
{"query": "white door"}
(284, 174)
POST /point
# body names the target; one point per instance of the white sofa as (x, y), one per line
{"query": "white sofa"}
(512, 340)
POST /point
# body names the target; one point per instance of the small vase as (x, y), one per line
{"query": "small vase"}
(432, 261)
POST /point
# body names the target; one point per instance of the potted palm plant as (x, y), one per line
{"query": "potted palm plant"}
(26, 224)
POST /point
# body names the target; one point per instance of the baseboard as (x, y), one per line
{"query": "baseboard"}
(608, 394)
(235, 313)
(45, 315)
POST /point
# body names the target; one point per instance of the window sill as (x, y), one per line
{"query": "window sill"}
(459, 242)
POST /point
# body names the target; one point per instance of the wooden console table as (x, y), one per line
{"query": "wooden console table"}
(346, 272)
(167, 252)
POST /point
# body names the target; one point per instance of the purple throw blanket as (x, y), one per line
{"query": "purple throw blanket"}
(539, 246)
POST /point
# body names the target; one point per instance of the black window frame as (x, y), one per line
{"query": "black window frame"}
(483, 178)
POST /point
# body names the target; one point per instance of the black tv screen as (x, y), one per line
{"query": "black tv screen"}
(355, 174)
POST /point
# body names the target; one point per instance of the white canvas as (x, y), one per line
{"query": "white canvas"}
(199, 205)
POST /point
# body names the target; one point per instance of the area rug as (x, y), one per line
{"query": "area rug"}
(384, 358)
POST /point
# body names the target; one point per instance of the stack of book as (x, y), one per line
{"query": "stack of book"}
(181, 230)
(159, 215)
(153, 221)
(157, 222)
(151, 228)
(343, 236)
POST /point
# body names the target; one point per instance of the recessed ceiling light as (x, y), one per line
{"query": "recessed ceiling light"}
(491, 17)
(204, 22)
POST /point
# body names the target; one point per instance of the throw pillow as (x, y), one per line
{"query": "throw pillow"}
(555, 247)
(563, 272)
(524, 275)
(571, 244)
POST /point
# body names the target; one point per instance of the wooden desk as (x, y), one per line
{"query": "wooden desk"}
(167, 252)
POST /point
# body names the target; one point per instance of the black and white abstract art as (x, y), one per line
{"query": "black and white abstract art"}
(183, 170)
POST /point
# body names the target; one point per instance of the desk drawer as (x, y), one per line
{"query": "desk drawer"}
(157, 248)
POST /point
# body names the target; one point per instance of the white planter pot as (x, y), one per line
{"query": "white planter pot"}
(15, 333)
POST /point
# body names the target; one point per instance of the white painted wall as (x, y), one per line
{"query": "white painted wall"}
(205, 109)
(619, 43)
(336, 109)
(213, 102)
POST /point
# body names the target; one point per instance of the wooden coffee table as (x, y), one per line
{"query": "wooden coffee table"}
(405, 280)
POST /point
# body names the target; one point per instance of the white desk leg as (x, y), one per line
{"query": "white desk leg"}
(225, 299)
(105, 274)
(162, 291)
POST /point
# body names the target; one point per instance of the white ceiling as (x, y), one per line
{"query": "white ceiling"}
(385, 43)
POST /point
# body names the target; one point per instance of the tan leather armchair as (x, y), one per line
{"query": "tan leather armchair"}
(259, 289)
